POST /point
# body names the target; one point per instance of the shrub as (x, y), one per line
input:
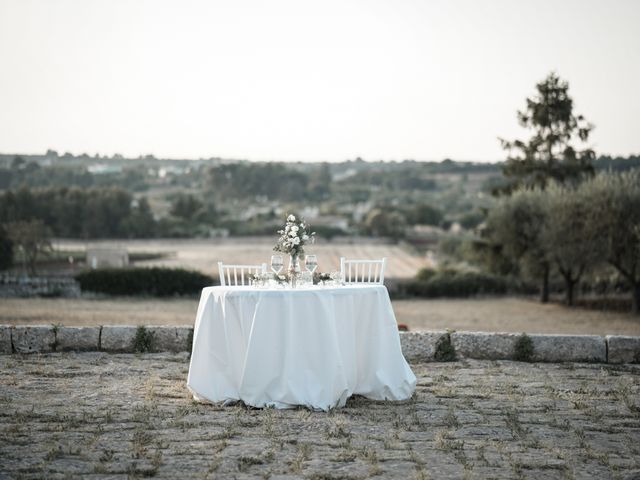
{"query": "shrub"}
(450, 283)
(445, 351)
(156, 281)
(523, 348)
(6, 249)
(143, 340)
(426, 274)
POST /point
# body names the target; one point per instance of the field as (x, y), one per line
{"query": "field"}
(483, 314)
(478, 314)
(203, 255)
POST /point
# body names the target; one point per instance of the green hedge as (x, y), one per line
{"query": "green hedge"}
(451, 283)
(158, 282)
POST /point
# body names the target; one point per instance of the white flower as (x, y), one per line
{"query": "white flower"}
(293, 233)
(291, 218)
(295, 241)
(305, 237)
(295, 228)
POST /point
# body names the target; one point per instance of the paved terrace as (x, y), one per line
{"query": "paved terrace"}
(101, 415)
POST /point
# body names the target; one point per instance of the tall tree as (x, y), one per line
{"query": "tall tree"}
(6, 249)
(550, 153)
(382, 223)
(185, 206)
(32, 238)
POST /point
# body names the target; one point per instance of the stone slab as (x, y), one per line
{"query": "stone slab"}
(420, 346)
(623, 349)
(568, 348)
(78, 338)
(33, 338)
(170, 339)
(118, 338)
(185, 338)
(484, 345)
(416, 346)
(5, 339)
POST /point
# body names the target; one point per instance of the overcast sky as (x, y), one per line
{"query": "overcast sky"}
(308, 80)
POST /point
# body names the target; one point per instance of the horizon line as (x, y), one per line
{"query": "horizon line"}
(272, 160)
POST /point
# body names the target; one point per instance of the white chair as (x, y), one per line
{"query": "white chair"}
(362, 271)
(238, 274)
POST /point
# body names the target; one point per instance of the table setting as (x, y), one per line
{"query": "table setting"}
(298, 339)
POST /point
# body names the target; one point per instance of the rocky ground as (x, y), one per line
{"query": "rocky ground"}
(99, 415)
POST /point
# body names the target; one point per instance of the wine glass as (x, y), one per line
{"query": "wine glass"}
(277, 263)
(311, 262)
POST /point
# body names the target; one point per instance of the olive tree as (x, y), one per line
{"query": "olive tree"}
(614, 224)
(515, 226)
(565, 235)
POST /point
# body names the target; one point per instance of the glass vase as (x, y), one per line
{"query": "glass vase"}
(294, 269)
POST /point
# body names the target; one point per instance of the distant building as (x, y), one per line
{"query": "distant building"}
(309, 213)
(107, 258)
(424, 234)
(101, 169)
(218, 232)
(331, 221)
(171, 170)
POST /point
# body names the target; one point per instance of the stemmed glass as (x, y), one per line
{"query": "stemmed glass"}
(277, 263)
(311, 263)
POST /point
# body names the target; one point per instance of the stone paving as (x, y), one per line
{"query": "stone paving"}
(99, 415)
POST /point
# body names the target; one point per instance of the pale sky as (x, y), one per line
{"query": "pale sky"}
(302, 80)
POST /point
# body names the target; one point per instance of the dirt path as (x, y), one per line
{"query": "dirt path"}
(491, 314)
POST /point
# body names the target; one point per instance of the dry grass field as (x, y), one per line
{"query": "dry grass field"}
(481, 314)
(478, 314)
(203, 254)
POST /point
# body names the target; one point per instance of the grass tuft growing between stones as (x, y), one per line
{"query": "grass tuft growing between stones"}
(143, 341)
(523, 348)
(445, 351)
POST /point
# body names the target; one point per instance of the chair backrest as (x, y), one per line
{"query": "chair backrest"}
(238, 274)
(362, 271)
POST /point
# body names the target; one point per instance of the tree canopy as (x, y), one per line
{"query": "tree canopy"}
(550, 153)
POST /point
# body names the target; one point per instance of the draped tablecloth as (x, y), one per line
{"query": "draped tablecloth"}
(312, 346)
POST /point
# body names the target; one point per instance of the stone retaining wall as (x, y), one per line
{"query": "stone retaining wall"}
(16, 286)
(416, 346)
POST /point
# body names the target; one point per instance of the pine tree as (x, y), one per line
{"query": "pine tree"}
(549, 154)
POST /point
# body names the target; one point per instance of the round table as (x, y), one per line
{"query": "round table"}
(312, 346)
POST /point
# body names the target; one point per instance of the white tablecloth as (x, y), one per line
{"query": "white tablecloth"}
(310, 346)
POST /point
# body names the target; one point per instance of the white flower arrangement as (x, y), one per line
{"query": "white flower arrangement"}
(294, 237)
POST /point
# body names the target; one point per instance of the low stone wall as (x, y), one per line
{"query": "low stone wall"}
(16, 286)
(416, 346)
(117, 338)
